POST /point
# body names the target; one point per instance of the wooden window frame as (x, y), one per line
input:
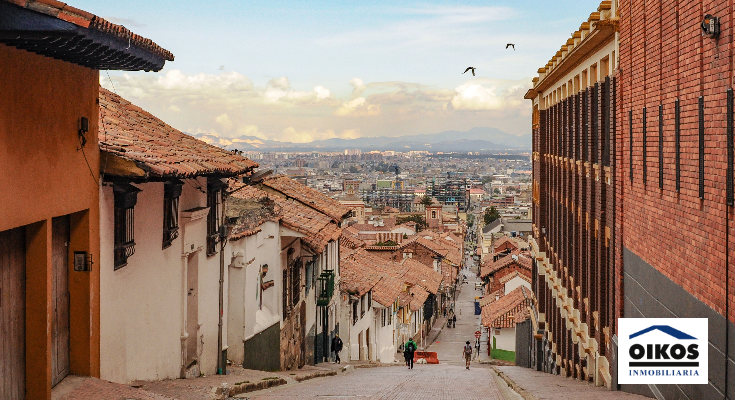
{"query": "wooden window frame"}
(125, 198)
(215, 202)
(171, 195)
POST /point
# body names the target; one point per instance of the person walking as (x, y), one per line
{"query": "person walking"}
(336, 348)
(408, 349)
(454, 321)
(467, 353)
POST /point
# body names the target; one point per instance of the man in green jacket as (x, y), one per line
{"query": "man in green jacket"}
(408, 349)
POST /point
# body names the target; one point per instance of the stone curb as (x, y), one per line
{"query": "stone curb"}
(513, 385)
(224, 392)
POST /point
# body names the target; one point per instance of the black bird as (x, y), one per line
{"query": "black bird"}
(513, 45)
(468, 69)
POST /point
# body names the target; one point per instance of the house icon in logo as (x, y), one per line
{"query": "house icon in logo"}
(665, 329)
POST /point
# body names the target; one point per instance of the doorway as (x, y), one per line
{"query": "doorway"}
(192, 309)
(60, 298)
(12, 314)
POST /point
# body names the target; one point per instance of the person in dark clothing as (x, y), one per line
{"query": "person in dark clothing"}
(454, 321)
(336, 348)
(408, 349)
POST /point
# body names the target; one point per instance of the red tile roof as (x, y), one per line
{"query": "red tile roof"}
(318, 228)
(514, 258)
(90, 21)
(312, 198)
(420, 274)
(260, 211)
(129, 132)
(500, 313)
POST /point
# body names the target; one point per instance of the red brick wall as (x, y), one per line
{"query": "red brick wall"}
(677, 232)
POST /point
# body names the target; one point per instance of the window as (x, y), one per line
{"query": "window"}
(126, 196)
(295, 280)
(433, 214)
(214, 218)
(171, 194)
(382, 317)
(354, 312)
(369, 299)
(362, 306)
(390, 315)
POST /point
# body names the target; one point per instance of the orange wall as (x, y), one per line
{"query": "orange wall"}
(41, 172)
(43, 175)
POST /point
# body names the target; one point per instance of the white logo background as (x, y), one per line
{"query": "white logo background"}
(696, 327)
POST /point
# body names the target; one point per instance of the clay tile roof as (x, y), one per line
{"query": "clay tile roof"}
(505, 240)
(313, 198)
(350, 239)
(500, 313)
(252, 208)
(318, 229)
(450, 250)
(131, 133)
(514, 274)
(515, 258)
(422, 275)
(87, 20)
(523, 314)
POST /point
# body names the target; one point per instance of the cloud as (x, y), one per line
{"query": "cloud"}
(486, 94)
(224, 121)
(227, 106)
(357, 107)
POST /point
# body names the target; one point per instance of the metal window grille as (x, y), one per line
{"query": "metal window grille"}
(729, 174)
(630, 152)
(124, 223)
(585, 126)
(701, 147)
(606, 122)
(644, 145)
(677, 140)
(295, 268)
(214, 202)
(595, 122)
(171, 194)
(661, 146)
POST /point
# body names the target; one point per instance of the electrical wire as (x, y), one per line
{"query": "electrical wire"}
(91, 172)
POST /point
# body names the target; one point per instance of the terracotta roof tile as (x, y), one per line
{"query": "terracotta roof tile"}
(515, 258)
(131, 133)
(422, 275)
(313, 198)
(500, 313)
(88, 20)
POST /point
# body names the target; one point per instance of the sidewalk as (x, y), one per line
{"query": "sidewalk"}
(532, 385)
(237, 381)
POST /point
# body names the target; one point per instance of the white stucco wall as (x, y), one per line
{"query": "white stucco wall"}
(515, 283)
(505, 339)
(245, 317)
(142, 305)
(360, 328)
(384, 343)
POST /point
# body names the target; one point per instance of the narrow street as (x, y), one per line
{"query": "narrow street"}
(448, 380)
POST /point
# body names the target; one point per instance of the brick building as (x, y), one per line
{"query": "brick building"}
(633, 187)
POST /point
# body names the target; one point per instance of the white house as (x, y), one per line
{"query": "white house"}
(160, 248)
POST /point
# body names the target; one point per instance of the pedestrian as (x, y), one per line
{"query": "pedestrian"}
(467, 353)
(408, 349)
(336, 348)
(477, 347)
(454, 321)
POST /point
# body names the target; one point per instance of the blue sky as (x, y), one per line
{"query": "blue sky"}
(300, 71)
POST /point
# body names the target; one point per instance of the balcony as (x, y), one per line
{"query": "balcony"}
(326, 288)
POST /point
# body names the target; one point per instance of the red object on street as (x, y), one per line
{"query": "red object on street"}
(477, 334)
(430, 356)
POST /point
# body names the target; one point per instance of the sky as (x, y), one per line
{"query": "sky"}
(310, 70)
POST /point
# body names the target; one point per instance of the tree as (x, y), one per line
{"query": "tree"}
(491, 214)
(417, 218)
(353, 169)
(426, 200)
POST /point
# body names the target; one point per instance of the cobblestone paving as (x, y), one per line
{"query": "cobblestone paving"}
(448, 380)
(424, 382)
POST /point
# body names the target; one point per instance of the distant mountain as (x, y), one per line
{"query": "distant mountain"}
(475, 139)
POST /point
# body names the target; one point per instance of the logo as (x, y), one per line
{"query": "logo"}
(662, 351)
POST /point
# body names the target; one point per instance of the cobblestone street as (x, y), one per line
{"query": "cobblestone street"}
(443, 381)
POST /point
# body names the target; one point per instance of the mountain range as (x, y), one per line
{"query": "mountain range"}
(481, 139)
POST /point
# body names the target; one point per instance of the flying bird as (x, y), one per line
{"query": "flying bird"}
(468, 69)
(513, 45)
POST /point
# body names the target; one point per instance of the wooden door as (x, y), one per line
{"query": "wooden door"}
(192, 310)
(12, 314)
(60, 299)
